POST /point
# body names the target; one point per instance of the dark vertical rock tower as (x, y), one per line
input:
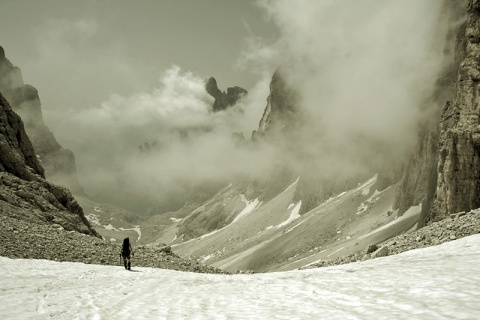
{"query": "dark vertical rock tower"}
(223, 100)
(458, 183)
(59, 163)
(419, 178)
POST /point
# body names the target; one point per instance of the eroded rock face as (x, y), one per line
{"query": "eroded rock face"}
(223, 100)
(17, 156)
(59, 163)
(458, 183)
(281, 103)
(24, 193)
(419, 179)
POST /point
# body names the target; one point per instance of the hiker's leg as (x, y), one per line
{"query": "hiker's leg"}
(129, 263)
(125, 261)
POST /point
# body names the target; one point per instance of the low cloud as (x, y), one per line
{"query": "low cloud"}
(162, 141)
(364, 72)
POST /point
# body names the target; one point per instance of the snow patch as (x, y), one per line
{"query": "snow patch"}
(298, 224)
(335, 198)
(369, 202)
(365, 188)
(174, 238)
(93, 218)
(293, 215)
(97, 209)
(336, 251)
(175, 219)
(414, 210)
(249, 207)
(207, 257)
(40, 289)
(136, 229)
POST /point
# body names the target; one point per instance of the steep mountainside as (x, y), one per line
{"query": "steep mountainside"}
(458, 183)
(24, 193)
(229, 234)
(442, 172)
(419, 180)
(59, 163)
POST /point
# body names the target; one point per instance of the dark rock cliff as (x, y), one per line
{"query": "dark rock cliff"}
(419, 179)
(282, 103)
(223, 100)
(458, 183)
(17, 155)
(59, 163)
(24, 193)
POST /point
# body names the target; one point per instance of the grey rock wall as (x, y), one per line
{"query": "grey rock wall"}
(58, 162)
(458, 183)
(24, 192)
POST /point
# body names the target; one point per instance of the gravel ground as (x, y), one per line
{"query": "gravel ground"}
(26, 240)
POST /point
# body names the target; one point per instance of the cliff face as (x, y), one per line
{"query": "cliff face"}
(17, 155)
(24, 193)
(223, 100)
(458, 183)
(59, 163)
(282, 103)
(419, 178)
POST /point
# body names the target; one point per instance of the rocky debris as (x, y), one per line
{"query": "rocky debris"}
(371, 248)
(41, 202)
(458, 183)
(223, 100)
(58, 162)
(382, 252)
(459, 226)
(25, 240)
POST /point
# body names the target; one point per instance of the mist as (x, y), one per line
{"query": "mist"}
(363, 70)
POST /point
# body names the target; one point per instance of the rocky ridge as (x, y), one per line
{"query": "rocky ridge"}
(24, 193)
(59, 163)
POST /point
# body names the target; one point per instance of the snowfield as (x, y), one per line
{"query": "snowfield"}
(439, 282)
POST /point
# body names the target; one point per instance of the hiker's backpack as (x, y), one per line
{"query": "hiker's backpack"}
(126, 245)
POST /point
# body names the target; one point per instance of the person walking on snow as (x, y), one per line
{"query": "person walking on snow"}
(126, 251)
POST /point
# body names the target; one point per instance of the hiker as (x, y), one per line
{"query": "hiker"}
(126, 251)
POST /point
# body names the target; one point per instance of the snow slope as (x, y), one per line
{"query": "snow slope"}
(439, 282)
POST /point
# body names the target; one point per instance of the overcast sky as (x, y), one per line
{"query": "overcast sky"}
(80, 52)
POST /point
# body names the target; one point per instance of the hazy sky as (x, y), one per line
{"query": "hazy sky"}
(80, 52)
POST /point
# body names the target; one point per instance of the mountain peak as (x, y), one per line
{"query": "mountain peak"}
(223, 100)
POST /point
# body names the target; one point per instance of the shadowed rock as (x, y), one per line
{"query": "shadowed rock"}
(223, 100)
(24, 193)
(58, 162)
